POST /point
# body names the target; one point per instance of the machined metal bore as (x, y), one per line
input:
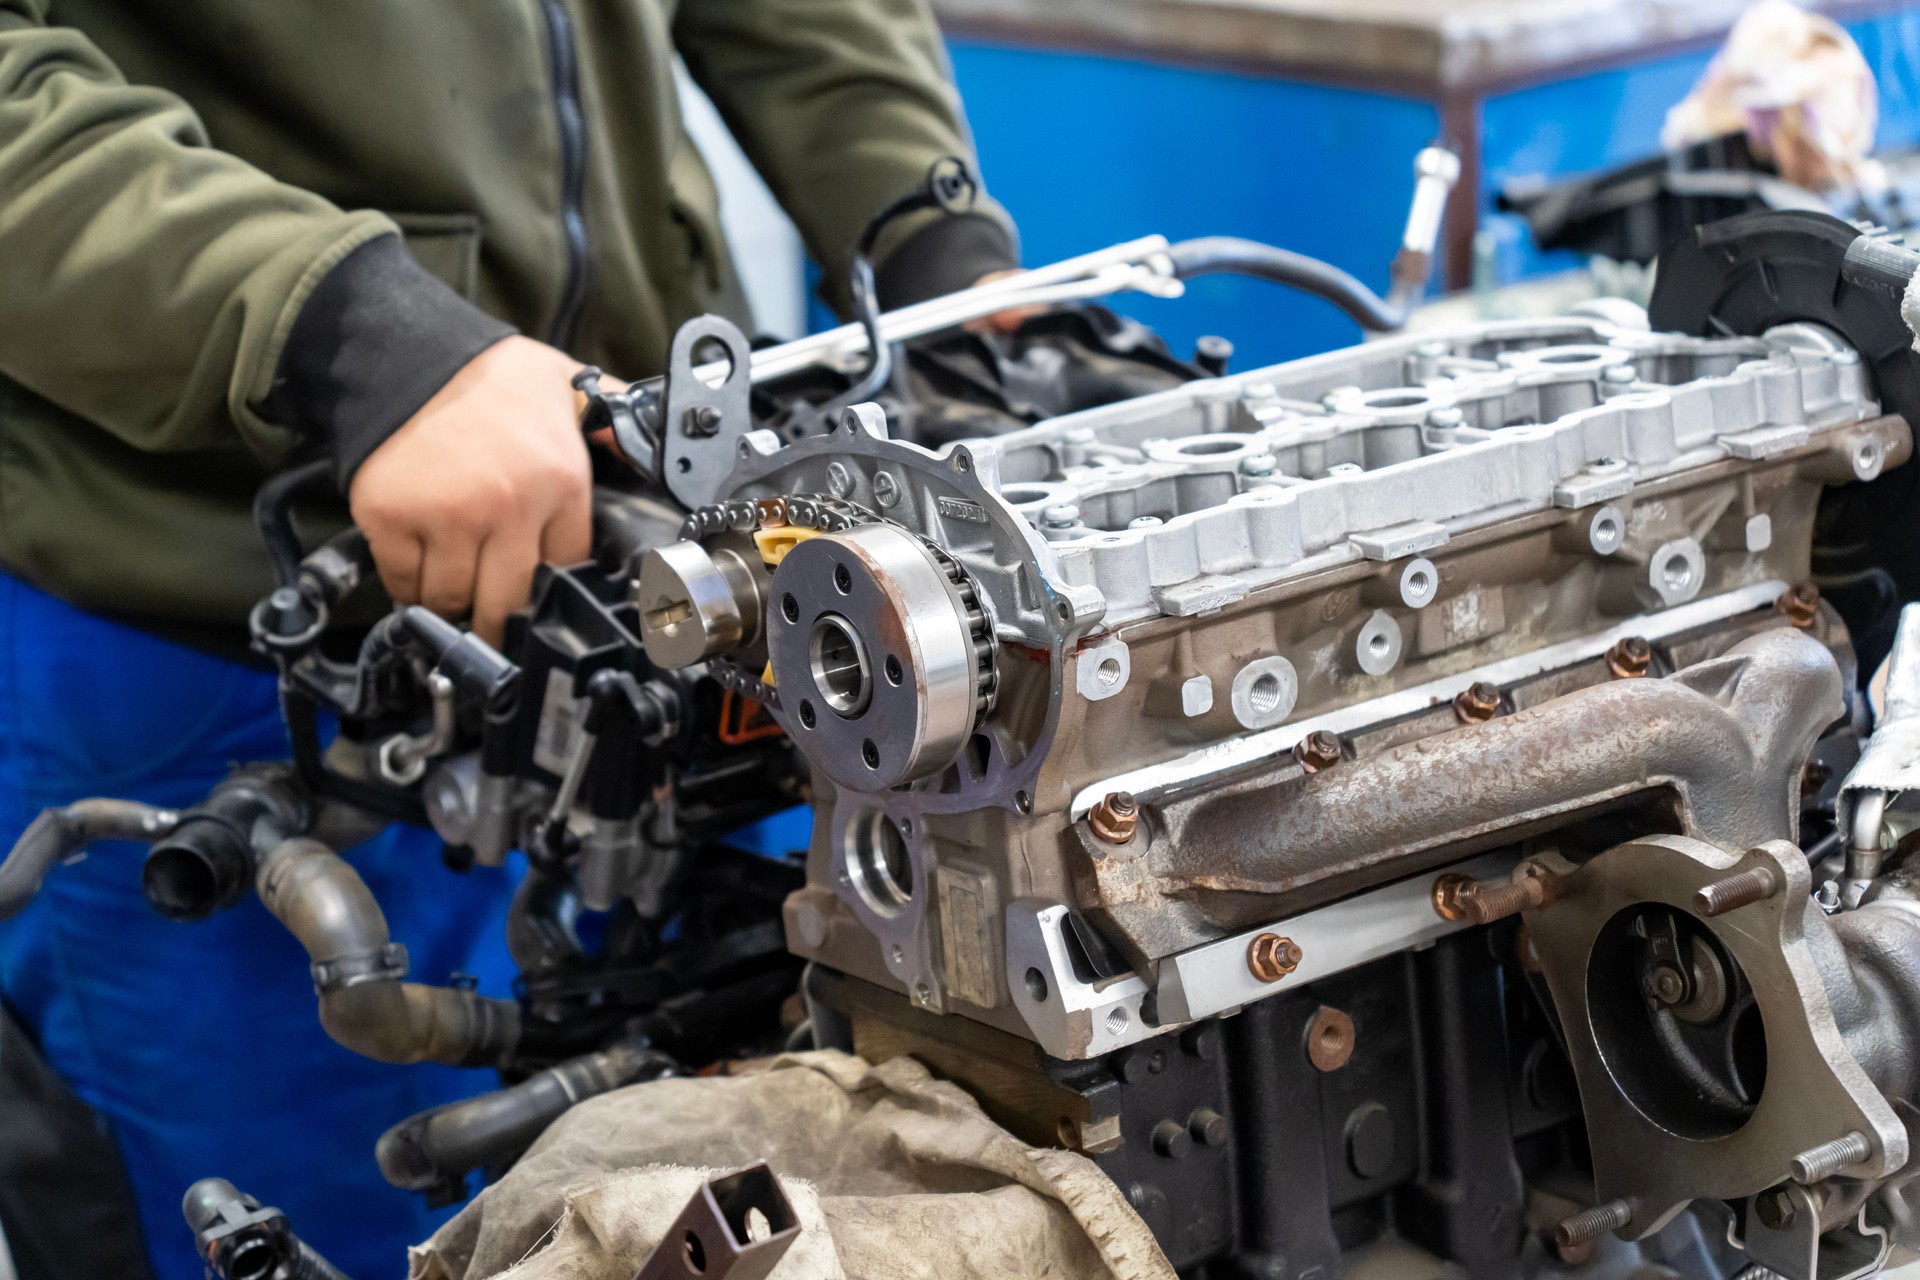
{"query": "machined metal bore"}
(879, 864)
(874, 655)
(839, 664)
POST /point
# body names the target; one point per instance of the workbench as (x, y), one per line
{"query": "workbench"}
(1296, 122)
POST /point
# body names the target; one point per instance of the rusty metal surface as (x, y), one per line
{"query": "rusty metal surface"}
(1724, 740)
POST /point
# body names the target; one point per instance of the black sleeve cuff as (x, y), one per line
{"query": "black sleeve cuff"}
(946, 255)
(376, 339)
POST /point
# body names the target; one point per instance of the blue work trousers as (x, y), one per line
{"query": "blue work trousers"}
(200, 1042)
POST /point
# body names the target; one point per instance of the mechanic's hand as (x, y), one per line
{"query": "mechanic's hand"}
(1002, 321)
(486, 481)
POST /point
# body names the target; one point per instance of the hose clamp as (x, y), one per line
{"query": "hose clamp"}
(340, 972)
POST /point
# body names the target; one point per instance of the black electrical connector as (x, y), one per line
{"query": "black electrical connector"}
(475, 667)
(240, 1240)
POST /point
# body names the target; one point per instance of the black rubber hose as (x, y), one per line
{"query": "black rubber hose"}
(273, 514)
(356, 969)
(1230, 255)
(57, 834)
(437, 1149)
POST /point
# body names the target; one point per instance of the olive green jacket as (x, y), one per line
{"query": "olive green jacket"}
(200, 279)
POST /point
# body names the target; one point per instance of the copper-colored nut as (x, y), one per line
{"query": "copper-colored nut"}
(1318, 750)
(1477, 703)
(1801, 604)
(1271, 957)
(1450, 894)
(1115, 818)
(1459, 898)
(1630, 658)
(1329, 1039)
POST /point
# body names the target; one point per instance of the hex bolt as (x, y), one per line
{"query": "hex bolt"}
(1829, 1158)
(1208, 1127)
(1591, 1224)
(1115, 818)
(1774, 1208)
(1630, 658)
(1271, 957)
(1801, 604)
(1478, 703)
(1213, 353)
(1734, 892)
(1461, 898)
(1318, 750)
(1171, 1139)
(701, 420)
(1669, 986)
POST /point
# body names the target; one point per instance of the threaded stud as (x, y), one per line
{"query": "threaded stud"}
(1829, 1158)
(1734, 892)
(1591, 1224)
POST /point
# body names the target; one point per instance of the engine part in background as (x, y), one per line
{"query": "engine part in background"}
(1144, 264)
(1889, 764)
(737, 1227)
(1820, 274)
(242, 1241)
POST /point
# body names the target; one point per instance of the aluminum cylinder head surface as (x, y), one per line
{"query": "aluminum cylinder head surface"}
(1183, 501)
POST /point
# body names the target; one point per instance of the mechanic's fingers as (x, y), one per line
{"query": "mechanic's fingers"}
(568, 537)
(396, 557)
(507, 561)
(447, 574)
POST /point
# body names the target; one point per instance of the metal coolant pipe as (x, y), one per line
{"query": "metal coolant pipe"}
(357, 969)
(57, 834)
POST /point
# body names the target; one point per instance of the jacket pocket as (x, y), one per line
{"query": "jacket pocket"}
(447, 245)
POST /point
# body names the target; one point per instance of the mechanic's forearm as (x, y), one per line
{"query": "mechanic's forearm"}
(147, 281)
(377, 338)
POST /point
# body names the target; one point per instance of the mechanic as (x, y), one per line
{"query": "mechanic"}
(236, 236)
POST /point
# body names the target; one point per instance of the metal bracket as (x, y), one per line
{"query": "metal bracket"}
(737, 1226)
(1815, 1089)
(1798, 1250)
(703, 422)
